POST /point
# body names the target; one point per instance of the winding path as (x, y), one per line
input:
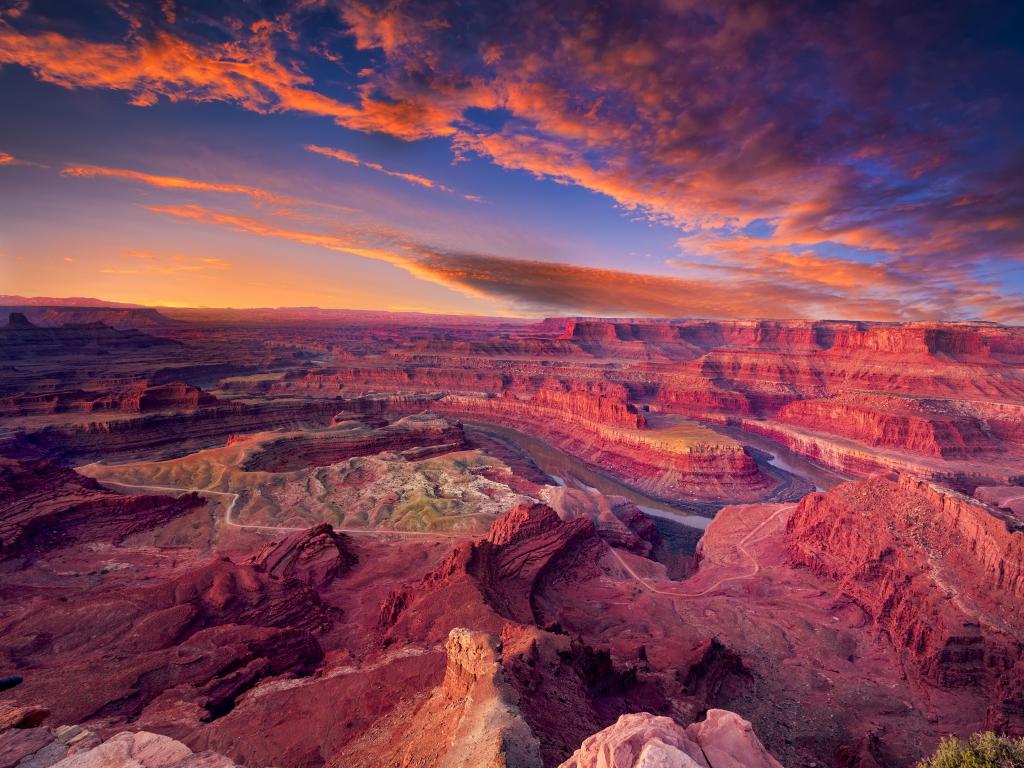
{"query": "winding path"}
(234, 500)
(228, 520)
(741, 546)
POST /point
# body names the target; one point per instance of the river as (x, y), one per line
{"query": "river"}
(564, 469)
(820, 476)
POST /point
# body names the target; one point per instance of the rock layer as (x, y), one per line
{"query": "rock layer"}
(315, 557)
(501, 576)
(43, 506)
(202, 638)
(941, 574)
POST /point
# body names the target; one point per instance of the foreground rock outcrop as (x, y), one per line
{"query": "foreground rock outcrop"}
(70, 746)
(472, 720)
(143, 750)
(723, 740)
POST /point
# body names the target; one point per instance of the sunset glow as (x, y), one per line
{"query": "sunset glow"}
(672, 159)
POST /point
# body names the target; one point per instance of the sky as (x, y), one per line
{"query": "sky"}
(681, 158)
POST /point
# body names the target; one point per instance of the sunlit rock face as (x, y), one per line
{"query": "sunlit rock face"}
(645, 741)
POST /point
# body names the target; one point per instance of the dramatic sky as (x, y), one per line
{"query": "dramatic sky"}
(680, 158)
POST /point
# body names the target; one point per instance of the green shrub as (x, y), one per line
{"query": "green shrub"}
(982, 750)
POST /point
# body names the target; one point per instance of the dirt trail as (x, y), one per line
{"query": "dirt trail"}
(234, 500)
(741, 546)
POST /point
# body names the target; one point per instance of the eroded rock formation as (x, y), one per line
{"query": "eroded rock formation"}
(315, 557)
(722, 740)
(921, 426)
(423, 435)
(941, 574)
(667, 463)
(237, 624)
(200, 639)
(499, 577)
(44, 506)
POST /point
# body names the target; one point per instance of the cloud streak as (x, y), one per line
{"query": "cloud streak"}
(539, 287)
(148, 263)
(172, 182)
(347, 157)
(256, 194)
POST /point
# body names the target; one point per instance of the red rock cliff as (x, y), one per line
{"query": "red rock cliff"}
(941, 574)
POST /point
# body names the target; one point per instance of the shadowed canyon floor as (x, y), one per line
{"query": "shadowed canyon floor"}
(385, 541)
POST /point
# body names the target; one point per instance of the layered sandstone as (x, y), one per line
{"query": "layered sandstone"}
(490, 731)
(500, 577)
(570, 400)
(424, 435)
(293, 653)
(174, 434)
(315, 557)
(44, 506)
(941, 574)
(668, 462)
(164, 397)
(857, 459)
(921, 426)
(190, 644)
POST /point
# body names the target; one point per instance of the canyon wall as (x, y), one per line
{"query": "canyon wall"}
(145, 399)
(168, 434)
(941, 574)
(655, 461)
(922, 426)
(44, 506)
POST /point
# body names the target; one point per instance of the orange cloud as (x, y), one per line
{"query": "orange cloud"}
(770, 256)
(712, 122)
(348, 157)
(167, 264)
(337, 154)
(172, 182)
(351, 242)
(539, 287)
(245, 71)
(257, 194)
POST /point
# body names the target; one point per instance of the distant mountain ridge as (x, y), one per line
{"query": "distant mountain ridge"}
(69, 301)
(20, 339)
(120, 317)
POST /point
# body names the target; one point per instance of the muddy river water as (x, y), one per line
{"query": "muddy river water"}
(564, 469)
(821, 477)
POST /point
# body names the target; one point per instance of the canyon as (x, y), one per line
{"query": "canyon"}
(325, 538)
